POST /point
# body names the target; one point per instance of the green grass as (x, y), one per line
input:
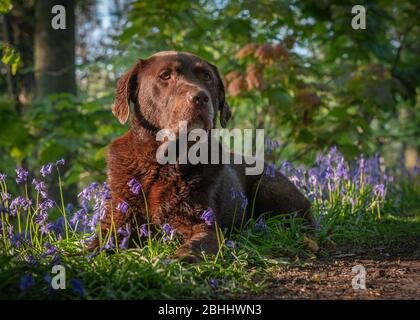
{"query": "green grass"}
(147, 274)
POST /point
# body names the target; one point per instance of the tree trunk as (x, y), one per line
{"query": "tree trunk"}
(54, 50)
(55, 70)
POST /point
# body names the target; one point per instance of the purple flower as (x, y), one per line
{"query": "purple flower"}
(31, 260)
(260, 226)
(208, 216)
(55, 260)
(77, 287)
(231, 244)
(46, 204)
(88, 192)
(89, 240)
(3, 209)
(232, 193)
(271, 145)
(18, 239)
(122, 207)
(5, 196)
(41, 218)
(21, 175)
(270, 170)
(244, 203)
(110, 244)
(78, 215)
(125, 234)
(101, 196)
(69, 207)
(379, 190)
(19, 203)
(3, 177)
(46, 169)
(60, 162)
(26, 281)
(213, 283)
(46, 228)
(40, 187)
(134, 185)
(168, 232)
(49, 250)
(144, 232)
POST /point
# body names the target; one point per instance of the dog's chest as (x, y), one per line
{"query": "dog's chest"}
(175, 193)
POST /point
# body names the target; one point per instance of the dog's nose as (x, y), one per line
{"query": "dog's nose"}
(199, 98)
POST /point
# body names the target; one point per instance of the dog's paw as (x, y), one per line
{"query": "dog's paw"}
(186, 255)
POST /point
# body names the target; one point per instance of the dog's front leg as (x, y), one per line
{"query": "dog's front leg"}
(198, 239)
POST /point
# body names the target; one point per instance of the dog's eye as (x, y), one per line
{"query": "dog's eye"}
(165, 75)
(206, 76)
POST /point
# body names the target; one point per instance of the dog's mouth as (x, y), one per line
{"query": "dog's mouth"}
(200, 122)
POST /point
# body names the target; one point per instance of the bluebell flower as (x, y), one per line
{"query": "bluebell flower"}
(19, 203)
(379, 190)
(77, 287)
(134, 185)
(46, 228)
(270, 170)
(122, 207)
(49, 250)
(88, 192)
(168, 232)
(26, 281)
(110, 244)
(16, 240)
(46, 204)
(144, 232)
(208, 216)
(41, 218)
(90, 239)
(55, 260)
(60, 162)
(40, 187)
(125, 234)
(78, 216)
(260, 226)
(21, 175)
(3, 209)
(231, 244)
(5, 196)
(31, 260)
(46, 169)
(213, 283)
(271, 145)
(69, 208)
(232, 193)
(3, 177)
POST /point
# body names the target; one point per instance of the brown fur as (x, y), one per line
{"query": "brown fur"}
(178, 194)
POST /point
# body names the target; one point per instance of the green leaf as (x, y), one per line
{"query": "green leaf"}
(5, 6)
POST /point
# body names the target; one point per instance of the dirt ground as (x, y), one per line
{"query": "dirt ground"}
(392, 272)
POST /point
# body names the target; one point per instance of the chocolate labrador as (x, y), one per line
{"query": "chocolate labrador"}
(165, 89)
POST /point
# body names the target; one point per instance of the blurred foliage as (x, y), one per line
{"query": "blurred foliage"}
(295, 68)
(62, 124)
(10, 57)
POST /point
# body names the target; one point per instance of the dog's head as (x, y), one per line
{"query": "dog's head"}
(170, 87)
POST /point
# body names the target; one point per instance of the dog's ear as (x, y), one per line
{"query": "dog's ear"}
(126, 90)
(224, 108)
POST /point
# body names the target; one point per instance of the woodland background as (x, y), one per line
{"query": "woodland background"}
(295, 68)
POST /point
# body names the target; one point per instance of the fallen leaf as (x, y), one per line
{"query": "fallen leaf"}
(310, 244)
